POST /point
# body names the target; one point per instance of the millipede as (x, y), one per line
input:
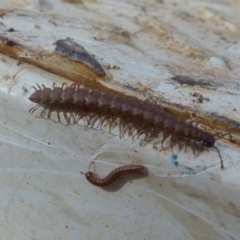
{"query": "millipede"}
(133, 116)
(115, 174)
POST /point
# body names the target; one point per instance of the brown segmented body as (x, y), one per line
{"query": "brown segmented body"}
(134, 117)
(116, 173)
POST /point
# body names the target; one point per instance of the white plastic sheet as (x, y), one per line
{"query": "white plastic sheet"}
(44, 196)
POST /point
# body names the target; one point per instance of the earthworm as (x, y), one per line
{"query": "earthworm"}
(116, 173)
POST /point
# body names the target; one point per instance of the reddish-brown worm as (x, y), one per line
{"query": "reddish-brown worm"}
(116, 173)
(133, 116)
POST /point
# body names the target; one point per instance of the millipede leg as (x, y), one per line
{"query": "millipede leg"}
(33, 109)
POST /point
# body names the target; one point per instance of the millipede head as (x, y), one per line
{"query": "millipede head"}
(35, 97)
(208, 140)
(89, 175)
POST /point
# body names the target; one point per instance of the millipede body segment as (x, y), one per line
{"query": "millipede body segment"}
(132, 115)
(116, 173)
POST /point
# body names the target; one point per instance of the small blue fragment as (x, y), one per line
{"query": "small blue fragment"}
(174, 157)
(189, 169)
(174, 160)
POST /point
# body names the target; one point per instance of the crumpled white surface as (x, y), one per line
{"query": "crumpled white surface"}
(44, 196)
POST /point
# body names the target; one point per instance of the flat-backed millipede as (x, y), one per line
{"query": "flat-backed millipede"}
(133, 116)
(116, 173)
